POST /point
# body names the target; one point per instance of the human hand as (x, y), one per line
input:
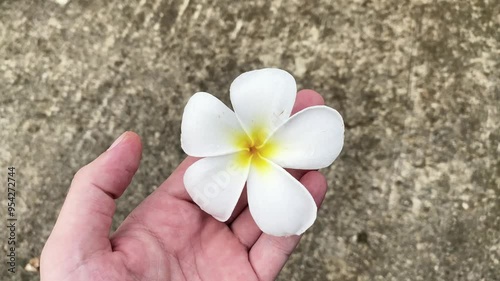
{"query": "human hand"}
(167, 237)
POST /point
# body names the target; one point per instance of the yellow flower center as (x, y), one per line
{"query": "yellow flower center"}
(255, 148)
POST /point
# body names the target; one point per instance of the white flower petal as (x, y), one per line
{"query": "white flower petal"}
(310, 139)
(209, 128)
(263, 99)
(215, 183)
(279, 204)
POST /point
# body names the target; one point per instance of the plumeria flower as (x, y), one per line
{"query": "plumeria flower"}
(253, 145)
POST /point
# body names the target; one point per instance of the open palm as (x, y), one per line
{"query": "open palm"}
(167, 237)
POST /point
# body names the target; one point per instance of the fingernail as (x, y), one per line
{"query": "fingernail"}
(117, 141)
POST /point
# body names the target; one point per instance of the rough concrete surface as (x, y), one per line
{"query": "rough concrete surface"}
(415, 193)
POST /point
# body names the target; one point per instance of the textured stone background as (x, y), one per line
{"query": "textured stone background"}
(415, 194)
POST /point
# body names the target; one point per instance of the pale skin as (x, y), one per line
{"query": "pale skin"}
(167, 237)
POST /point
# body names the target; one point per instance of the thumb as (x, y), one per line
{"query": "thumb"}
(86, 216)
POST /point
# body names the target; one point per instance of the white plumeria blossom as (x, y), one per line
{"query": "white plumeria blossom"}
(254, 144)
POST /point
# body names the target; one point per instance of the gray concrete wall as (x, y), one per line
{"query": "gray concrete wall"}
(415, 194)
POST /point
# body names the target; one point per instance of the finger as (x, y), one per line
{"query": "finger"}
(174, 184)
(87, 213)
(245, 228)
(243, 225)
(243, 202)
(269, 253)
(305, 98)
(247, 231)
